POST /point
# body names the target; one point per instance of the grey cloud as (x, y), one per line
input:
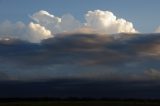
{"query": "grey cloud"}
(152, 74)
(92, 53)
(58, 48)
(4, 76)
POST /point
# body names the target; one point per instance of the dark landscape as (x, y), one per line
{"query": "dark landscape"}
(80, 88)
(71, 92)
(77, 102)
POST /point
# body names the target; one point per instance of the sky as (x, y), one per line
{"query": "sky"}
(55, 47)
(143, 14)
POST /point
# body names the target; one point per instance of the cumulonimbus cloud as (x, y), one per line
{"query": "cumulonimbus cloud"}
(46, 25)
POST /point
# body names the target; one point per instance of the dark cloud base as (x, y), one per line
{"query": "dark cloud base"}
(80, 88)
(72, 54)
(98, 66)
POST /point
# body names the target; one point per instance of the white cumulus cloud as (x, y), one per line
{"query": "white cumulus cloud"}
(47, 20)
(36, 33)
(45, 25)
(56, 24)
(96, 21)
(32, 32)
(106, 22)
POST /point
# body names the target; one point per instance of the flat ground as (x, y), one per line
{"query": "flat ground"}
(82, 103)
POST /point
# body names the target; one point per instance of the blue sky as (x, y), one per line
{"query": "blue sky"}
(144, 14)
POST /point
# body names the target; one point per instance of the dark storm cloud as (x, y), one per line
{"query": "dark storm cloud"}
(74, 48)
(66, 53)
(104, 49)
(4, 76)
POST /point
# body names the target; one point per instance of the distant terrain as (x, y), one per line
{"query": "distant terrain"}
(64, 88)
(81, 103)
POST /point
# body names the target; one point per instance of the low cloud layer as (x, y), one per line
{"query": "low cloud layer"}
(4, 76)
(46, 25)
(84, 56)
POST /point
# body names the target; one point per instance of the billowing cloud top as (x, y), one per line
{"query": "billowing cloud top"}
(106, 22)
(46, 25)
